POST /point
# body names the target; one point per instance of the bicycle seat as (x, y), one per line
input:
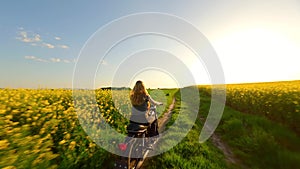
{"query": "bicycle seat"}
(136, 128)
(142, 127)
(137, 131)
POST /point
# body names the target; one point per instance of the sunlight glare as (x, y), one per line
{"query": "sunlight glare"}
(257, 55)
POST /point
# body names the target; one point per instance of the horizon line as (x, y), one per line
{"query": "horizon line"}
(119, 87)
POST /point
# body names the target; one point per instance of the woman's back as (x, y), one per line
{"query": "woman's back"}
(138, 112)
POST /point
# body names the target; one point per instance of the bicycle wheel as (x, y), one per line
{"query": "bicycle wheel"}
(132, 161)
(136, 153)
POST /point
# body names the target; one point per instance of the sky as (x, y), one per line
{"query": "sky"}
(41, 41)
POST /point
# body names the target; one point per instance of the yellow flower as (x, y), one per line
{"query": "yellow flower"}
(4, 144)
(91, 145)
(15, 111)
(9, 116)
(62, 142)
(2, 111)
(72, 145)
(68, 136)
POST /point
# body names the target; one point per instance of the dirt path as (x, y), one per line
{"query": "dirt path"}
(166, 117)
(216, 140)
(229, 155)
(161, 127)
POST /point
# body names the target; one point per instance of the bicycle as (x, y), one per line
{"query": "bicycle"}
(137, 145)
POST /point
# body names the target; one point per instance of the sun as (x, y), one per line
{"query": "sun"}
(257, 54)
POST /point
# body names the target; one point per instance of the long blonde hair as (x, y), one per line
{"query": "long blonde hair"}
(138, 93)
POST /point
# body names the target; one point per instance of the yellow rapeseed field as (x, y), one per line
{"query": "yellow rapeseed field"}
(40, 128)
(278, 101)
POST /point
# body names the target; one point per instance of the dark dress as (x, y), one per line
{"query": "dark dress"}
(138, 117)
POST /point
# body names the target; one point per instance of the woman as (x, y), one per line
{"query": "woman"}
(140, 101)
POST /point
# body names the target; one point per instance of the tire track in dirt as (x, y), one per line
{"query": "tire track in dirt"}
(215, 139)
(162, 122)
(166, 117)
(229, 155)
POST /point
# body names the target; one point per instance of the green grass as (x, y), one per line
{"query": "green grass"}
(277, 101)
(258, 141)
(189, 153)
(163, 95)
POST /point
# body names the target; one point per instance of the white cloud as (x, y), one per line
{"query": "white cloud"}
(30, 57)
(55, 60)
(44, 44)
(52, 60)
(35, 58)
(63, 46)
(35, 39)
(48, 45)
(28, 37)
(41, 60)
(57, 38)
(59, 60)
